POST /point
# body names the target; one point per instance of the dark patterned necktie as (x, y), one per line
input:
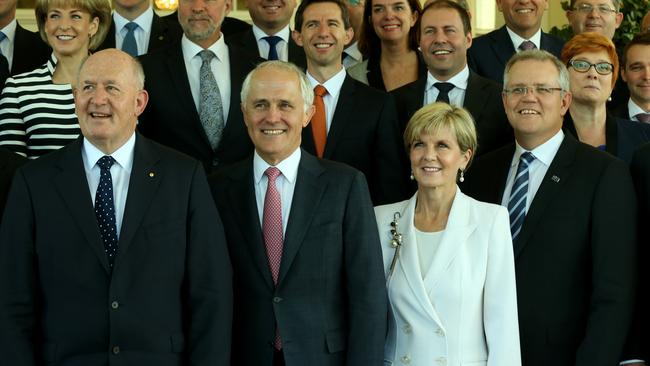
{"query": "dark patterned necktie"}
(527, 46)
(273, 234)
(444, 89)
(105, 209)
(210, 104)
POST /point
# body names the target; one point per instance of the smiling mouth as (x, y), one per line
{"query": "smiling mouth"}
(64, 37)
(524, 11)
(441, 52)
(272, 7)
(273, 132)
(391, 27)
(323, 45)
(528, 112)
(99, 115)
(431, 169)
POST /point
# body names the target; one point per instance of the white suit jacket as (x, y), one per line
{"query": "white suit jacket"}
(464, 312)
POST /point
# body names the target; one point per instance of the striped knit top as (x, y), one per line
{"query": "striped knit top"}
(36, 115)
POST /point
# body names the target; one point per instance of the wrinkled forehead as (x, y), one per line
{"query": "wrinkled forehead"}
(273, 85)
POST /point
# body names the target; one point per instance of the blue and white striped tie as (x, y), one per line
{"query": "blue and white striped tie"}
(517, 202)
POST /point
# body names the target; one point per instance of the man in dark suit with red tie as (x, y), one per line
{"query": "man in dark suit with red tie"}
(308, 278)
(568, 203)
(111, 251)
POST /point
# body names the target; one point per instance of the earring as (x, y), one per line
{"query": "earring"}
(609, 99)
(462, 176)
(411, 176)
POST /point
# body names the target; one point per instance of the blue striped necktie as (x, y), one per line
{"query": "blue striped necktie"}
(517, 202)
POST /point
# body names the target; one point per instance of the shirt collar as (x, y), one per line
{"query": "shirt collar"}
(333, 85)
(288, 167)
(459, 80)
(633, 109)
(191, 49)
(517, 40)
(545, 152)
(123, 156)
(353, 51)
(10, 30)
(143, 21)
(284, 33)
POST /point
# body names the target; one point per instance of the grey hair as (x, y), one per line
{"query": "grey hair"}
(305, 86)
(541, 56)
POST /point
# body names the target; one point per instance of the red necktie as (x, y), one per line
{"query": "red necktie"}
(318, 121)
(272, 230)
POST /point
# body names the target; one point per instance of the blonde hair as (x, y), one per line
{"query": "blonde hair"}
(434, 117)
(100, 9)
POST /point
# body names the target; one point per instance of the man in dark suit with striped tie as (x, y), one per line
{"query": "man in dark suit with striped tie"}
(572, 213)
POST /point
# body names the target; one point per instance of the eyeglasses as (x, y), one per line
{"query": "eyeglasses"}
(539, 90)
(588, 8)
(603, 68)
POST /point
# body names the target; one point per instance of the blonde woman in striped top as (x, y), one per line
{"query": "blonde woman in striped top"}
(37, 108)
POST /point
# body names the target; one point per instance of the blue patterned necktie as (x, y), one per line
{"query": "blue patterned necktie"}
(273, 51)
(105, 209)
(517, 202)
(210, 107)
(2, 38)
(444, 89)
(129, 45)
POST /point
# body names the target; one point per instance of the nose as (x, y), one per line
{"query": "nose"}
(273, 114)
(99, 96)
(323, 30)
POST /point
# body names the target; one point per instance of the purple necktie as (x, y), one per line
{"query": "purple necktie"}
(272, 230)
(527, 46)
(643, 117)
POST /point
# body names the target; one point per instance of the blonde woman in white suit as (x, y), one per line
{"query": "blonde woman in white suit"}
(448, 258)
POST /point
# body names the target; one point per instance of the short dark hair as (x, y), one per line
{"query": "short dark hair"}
(641, 39)
(369, 43)
(449, 4)
(345, 14)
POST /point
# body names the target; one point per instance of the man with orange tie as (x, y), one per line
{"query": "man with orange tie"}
(353, 123)
(307, 267)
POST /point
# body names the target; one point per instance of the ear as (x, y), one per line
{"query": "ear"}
(619, 19)
(499, 5)
(297, 37)
(566, 102)
(349, 34)
(308, 116)
(141, 102)
(227, 8)
(623, 74)
(468, 39)
(94, 26)
(467, 155)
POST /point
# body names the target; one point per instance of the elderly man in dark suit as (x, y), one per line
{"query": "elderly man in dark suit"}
(445, 37)
(568, 204)
(523, 30)
(308, 279)
(143, 277)
(137, 29)
(22, 49)
(353, 123)
(270, 35)
(194, 88)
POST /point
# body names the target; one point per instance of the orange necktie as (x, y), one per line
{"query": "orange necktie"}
(318, 122)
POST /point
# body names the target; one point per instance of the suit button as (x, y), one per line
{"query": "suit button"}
(277, 299)
(215, 162)
(440, 332)
(405, 360)
(441, 361)
(115, 305)
(407, 329)
(115, 350)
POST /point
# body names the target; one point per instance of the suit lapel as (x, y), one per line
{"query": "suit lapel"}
(241, 194)
(302, 209)
(558, 173)
(474, 100)
(72, 186)
(159, 30)
(143, 185)
(342, 113)
(502, 46)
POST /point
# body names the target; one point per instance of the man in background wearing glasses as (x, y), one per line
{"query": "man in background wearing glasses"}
(572, 213)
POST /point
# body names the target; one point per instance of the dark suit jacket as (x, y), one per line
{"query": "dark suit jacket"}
(330, 304)
(490, 53)
(482, 100)
(246, 40)
(4, 71)
(619, 111)
(638, 346)
(171, 117)
(163, 32)
(622, 136)
(168, 298)
(30, 51)
(9, 162)
(364, 135)
(575, 287)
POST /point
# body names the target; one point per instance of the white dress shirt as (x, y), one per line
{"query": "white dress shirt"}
(142, 33)
(282, 47)
(544, 155)
(517, 40)
(634, 109)
(333, 86)
(7, 45)
(353, 57)
(285, 184)
(456, 95)
(220, 66)
(120, 174)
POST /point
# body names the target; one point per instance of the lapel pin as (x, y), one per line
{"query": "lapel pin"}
(555, 179)
(152, 174)
(160, 38)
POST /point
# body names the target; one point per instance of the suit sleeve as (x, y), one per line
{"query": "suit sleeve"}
(500, 296)
(366, 292)
(613, 250)
(12, 125)
(18, 279)
(391, 166)
(209, 279)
